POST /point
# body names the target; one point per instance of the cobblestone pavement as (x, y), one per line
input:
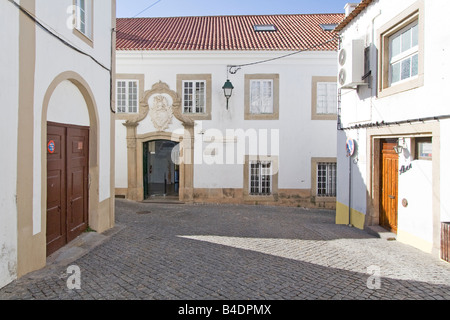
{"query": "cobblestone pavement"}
(212, 252)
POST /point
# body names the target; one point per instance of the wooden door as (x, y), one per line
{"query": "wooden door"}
(67, 184)
(77, 181)
(389, 185)
(56, 188)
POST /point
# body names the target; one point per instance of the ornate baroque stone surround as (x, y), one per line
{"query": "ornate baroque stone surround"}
(161, 113)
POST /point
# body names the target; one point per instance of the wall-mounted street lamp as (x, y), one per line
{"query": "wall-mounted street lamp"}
(400, 146)
(228, 90)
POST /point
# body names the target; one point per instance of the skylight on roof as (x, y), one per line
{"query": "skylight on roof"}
(264, 27)
(328, 26)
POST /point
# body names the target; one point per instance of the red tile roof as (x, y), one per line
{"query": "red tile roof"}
(294, 33)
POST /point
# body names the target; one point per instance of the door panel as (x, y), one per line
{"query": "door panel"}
(389, 185)
(77, 181)
(56, 193)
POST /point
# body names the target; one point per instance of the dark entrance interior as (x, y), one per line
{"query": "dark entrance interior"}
(161, 173)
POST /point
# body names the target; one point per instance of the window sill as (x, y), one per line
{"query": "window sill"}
(402, 87)
(198, 116)
(266, 116)
(324, 117)
(83, 37)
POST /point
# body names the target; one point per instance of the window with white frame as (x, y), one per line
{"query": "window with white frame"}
(326, 103)
(260, 178)
(194, 97)
(326, 179)
(261, 96)
(404, 54)
(84, 17)
(127, 100)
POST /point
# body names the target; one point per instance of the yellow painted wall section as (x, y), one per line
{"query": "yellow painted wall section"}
(357, 218)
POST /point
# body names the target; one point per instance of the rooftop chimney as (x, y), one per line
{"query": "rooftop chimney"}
(349, 7)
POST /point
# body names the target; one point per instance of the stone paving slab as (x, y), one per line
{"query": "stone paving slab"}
(232, 252)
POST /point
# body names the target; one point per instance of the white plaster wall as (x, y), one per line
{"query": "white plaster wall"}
(429, 100)
(416, 186)
(445, 171)
(67, 105)
(362, 106)
(300, 138)
(9, 33)
(58, 15)
(54, 58)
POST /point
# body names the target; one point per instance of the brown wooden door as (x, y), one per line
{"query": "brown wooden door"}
(77, 181)
(67, 184)
(389, 187)
(56, 188)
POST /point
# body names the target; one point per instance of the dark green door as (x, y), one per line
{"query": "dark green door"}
(146, 190)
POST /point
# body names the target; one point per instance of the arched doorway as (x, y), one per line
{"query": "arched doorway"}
(69, 159)
(161, 169)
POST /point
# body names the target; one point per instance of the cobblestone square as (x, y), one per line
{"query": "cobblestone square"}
(230, 252)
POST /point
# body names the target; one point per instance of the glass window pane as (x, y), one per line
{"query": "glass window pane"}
(415, 65)
(395, 72)
(415, 35)
(406, 40)
(255, 97)
(395, 46)
(406, 68)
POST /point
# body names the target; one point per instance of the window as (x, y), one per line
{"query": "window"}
(261, 96)
(194, 96)
(324, 98)
(424, 148)
(326, 179)
(260, 178)
(264, 27)
(127, 96)
(328, 26)
(401, 53)
(323, 179)
(84, 17)
(195, 91)
(404, 54)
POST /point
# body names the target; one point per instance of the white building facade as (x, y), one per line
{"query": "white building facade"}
(270, 143)
(393, 77)
(58, 65)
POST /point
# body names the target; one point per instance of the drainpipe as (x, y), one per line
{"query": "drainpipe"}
(350, 191)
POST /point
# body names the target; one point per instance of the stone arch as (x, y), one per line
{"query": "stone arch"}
(85, 90)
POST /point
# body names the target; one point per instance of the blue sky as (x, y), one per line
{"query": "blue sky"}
(175, 8)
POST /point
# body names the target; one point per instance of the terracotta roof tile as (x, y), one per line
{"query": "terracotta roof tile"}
(294, 32)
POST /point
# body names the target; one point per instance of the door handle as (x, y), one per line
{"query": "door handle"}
(392, 197)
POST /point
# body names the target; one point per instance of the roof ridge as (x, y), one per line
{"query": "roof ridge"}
(237, 15)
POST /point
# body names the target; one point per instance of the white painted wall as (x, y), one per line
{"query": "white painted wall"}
(9, 33)
(53, 58)
(363, 106)
(67, 105)
(300, 138)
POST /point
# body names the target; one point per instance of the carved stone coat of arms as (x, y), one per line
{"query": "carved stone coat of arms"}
(161, 113)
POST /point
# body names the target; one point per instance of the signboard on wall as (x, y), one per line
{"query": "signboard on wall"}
(351, 147)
